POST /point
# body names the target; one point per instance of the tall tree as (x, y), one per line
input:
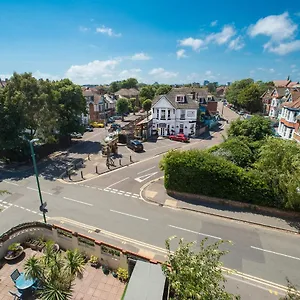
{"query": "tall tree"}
(147, 106)
(122, 107)
(256, 128)
(196, 275)
(211, 87)
(114, 86)
(249, 98)
(163, 89)
(147, 92)
(129, 83)
(71, 105)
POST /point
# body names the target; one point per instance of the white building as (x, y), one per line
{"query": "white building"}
(174, 113)
(279, 95)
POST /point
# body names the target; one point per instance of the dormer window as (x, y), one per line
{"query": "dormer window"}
(180, 98)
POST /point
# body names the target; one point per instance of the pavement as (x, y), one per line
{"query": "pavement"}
(113, 203)
(155, 192)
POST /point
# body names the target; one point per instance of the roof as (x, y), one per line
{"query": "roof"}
(171, 97)
(127, 92)
(146, 120)
(292, 105)
(284, 83)
(147, 282)
(109, 99)
(281, 91)
(295, 95)
(189, 90)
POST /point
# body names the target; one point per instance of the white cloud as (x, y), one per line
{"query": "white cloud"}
(271, 70)
(129, 73)
(162, 73)
(295, 70)
(236, 44)
(180, 53)
(108, 31)
(38, 75)
(92, 72)
(191, 42)
(277, 27)
(214, 23)
(4, 76)
(192, 77)
(209, 75)
(222, 37)
(293, 66)
(283, 48)
(83, 29)
(140, 56)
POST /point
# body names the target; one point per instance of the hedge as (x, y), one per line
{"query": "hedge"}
(202, 173)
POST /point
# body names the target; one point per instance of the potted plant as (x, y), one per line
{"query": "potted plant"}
(122, 274)
(41, 244)
(33, 244)
(105, 270)
(94, 261)
(85, 257)
(14, 251)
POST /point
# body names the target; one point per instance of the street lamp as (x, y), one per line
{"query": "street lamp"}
(42, 207)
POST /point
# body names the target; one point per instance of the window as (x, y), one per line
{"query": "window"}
(182, 114)
(169, 114)
(153, 110)
(291, 133)
(173, 111)
(180, 98)
(181, 128)
(163, 114)
(284, 131)
(157, 114)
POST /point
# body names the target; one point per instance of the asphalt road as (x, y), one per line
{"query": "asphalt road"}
(112, 203)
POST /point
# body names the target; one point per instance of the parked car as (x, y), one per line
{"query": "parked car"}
(126, 114)
(97, 125)
(135, 145)
(114, 127)
(180, 137)
(76, 135)
(110, 120)
(117, 117)
(89, 128)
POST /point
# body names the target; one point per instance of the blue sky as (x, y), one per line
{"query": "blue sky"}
(169, 42)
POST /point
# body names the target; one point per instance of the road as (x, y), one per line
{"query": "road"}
(112, 203)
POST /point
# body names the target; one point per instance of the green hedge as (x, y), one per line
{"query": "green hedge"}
(200, 172)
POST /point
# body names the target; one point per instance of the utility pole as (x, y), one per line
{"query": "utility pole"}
(42, 207)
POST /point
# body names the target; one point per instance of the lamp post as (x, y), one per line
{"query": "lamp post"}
(42, 208)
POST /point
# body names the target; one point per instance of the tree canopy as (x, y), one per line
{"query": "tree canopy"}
(246, 94)
(124, 84)
(31, 108)
(147, 92)
(196, 274)
(256, 128)
(211, 87)
(163, 89)
(122, 106)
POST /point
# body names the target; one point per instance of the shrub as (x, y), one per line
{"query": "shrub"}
(200, 172)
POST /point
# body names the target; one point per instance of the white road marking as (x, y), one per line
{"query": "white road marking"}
(113, 192)
(93, 187)
(27, 209)
(188, 230)
(136, 195)
(16, 205)
(146, 170)
(119, 193)
(99, 189)
(281, 254)
(81, 202)
(127, 195)
(125, 214)
(145, 177)
(117, 182)
(34, 212)
(36, 190)
(4, 202)
(22, 207)
(9, 182)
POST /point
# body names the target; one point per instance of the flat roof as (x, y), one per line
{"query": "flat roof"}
(147, 282)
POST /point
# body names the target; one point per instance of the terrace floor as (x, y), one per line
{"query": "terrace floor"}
(93, 286)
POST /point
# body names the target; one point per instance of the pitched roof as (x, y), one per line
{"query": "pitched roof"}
(281, 91)
(295, 95)
(284, 83)
(189, 90)
(293, 105)
(171, 97)
(292, 83)
(127, 92)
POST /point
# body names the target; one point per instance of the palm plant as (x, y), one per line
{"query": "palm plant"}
(55, 291)
(74, 264)
(33, 268)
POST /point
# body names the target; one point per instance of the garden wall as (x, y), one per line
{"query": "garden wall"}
(109, 255)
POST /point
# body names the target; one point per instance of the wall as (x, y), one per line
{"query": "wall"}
(108, 254)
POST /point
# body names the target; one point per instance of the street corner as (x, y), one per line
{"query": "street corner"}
(154, 192)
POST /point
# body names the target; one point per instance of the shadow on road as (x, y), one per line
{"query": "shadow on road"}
(85, 147)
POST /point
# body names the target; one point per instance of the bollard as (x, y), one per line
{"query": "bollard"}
(120, 162)
(97, 169)
(81, 173)
(130, 158)
(69, 174)
(89, 157)
(75, 167)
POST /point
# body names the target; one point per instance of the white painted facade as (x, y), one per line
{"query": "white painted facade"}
(169, 120)
(288, 115)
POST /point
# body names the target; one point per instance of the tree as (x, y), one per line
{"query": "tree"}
(196, 275)
(211, 87)
(256, 128)
(115, 86)
(163, 89)
(249, 98)
(129, 83)
(122, 107)
(147, 106)
(147, 92)
(279, 160)
(55, 272)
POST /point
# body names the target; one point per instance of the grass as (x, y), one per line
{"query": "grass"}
(124, 293)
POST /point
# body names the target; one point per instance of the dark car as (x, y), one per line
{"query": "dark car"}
(115, 126)
(110, 120)
(180, 137)
(135, 145)
(89, 128)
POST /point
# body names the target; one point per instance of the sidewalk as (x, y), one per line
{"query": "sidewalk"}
(155, 192)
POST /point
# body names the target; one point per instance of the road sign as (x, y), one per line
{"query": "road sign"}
(145, 177)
